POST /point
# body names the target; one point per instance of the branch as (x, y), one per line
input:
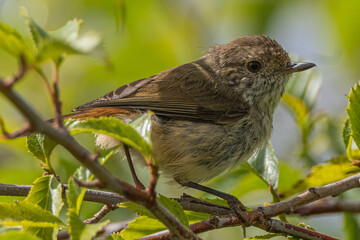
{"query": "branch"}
(99, 215)
(325, 206)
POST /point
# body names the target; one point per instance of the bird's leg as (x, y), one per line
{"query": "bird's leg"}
(235, 205)
(137, 182)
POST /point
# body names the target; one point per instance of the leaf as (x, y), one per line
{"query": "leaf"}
(354, 113)
(63, 41)
(112, 127)
(74, 195)
(194, 217)
(175, 208)
(346, 132)
(81, 231)
(25, 211)
(47, 193)
(142, 125)
(16, 235)
(114, 236)
(322, 174)
(135, 207)
(13, 43)
(265, 165)
(41, 146)
(142, 226)
(351, 226)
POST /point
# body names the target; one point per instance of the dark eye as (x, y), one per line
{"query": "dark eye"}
(254, 66)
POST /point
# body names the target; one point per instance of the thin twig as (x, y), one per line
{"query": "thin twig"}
(99, 215)
(56, 98)
(137, 182)
(326, 206)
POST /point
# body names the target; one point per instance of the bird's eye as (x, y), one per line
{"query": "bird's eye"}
(253, 66)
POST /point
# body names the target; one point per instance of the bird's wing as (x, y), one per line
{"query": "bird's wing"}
(189, 91)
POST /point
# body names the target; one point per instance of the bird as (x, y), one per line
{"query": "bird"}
(211, 114)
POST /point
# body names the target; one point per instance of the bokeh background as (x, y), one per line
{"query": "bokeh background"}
(142, 38)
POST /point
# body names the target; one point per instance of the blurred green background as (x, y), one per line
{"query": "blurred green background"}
(142, 38)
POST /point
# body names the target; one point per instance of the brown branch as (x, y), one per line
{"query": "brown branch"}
(56, 98)
(99, 215)
(325, 206)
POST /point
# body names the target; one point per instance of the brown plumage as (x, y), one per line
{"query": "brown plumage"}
(210, 114)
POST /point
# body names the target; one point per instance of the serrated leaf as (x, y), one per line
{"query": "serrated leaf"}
(16, 235)
(142, 226)
(265, 165)
(354, 113)
(63, 41)
(346, 132)
(46, 192)
(112, 127)
(322, 174)
(24, 211)
(41, 146)
(81, 231)
(175, 208)
(13, 43)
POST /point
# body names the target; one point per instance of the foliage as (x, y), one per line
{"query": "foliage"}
(38, 215)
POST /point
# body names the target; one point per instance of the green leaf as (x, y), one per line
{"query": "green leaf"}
(25, 211)
(81, 231)
(47, 193)
(114, 236)
(114, 128)
(142, 125)
(346, 132)
(322, 174)
(142, 226)
(135, 207)
(41, 146)
(351, 226)
(16, 235)
(63, 41)
(175, 208)
(265, 165)
(74, 195)
(194, 217)
(13, 43)
(354, 113)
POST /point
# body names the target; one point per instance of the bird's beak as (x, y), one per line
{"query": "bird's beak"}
(297, 67)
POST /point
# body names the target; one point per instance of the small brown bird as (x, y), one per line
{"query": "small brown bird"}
(210, 114)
